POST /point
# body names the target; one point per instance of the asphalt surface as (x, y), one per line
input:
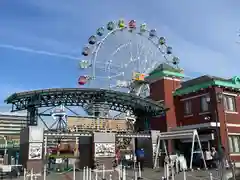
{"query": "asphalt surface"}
(147, 174)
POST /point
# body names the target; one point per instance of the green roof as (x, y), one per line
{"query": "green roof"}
(164, 70)
(206, 81)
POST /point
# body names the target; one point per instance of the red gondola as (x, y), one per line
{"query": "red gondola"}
(132, 24)
(82, 80)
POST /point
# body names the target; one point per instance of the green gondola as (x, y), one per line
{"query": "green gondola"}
(143, 27)
(162, 40)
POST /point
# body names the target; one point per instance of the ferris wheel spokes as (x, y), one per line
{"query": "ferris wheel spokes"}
(119, 66)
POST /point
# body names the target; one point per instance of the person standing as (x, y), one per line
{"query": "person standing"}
(208, 158)
(140, 157)
(117, 156)
(215, 157)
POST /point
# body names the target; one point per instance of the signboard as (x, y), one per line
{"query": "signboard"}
(138, 76)
(35, 151)
(35, 134)
(59, 160)
(10, 144)
(104, 149)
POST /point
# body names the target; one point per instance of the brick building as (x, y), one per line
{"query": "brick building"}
(209, 104)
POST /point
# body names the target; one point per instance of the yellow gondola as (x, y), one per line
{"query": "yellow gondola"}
(121, 23)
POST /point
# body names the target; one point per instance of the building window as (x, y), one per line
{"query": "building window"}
(204, 103)
(234, 144)
(229, 103)
(230, 141)
(188, 107)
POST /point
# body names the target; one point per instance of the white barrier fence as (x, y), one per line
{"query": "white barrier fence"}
(172, 170)
(87, 173)
(31, 175)
(103, 174)
(173, 167)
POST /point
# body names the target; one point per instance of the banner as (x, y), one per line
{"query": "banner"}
(35, 151)
(138, 76)
(104, 149)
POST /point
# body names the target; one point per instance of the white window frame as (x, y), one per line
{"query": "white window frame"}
(234, 144)
(229, 103)
(203, 100)
(187, 104)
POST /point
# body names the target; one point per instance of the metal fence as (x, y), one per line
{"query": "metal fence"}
(171, 171)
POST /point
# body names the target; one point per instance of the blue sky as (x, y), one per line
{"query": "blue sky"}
(202, 33)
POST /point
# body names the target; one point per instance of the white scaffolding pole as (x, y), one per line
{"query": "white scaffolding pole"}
(184, 134)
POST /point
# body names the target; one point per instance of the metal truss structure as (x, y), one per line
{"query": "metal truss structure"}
(118, 101)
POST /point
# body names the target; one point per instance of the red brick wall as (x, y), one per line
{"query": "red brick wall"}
(221, 118)
(159, 124)
(235, 158)
(163, 90)
(234, 129)
(196, 117)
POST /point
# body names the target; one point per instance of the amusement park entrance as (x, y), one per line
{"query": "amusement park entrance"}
(86, 145)
(91, 144)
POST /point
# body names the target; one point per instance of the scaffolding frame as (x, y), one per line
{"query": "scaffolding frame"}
(181, 134)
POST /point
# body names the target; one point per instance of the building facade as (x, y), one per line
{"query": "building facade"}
(10, 127)
(209, 104)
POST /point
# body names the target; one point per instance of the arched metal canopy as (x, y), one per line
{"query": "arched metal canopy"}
(118, 101)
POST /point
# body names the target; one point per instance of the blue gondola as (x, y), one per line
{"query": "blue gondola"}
(169, 50)
(85, 51)
(100, 31)
(110, 26)
(92, 40)
(153, 33)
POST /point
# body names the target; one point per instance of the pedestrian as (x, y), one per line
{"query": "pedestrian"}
(208, 158)
(215, 157)
(140, 157)
(117, 156)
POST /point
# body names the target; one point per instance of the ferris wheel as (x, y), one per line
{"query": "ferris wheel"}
(123, 55)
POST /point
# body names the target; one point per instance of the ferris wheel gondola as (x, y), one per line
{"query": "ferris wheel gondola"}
(122, 53)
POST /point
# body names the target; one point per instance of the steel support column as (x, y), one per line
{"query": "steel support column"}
(32, 116)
